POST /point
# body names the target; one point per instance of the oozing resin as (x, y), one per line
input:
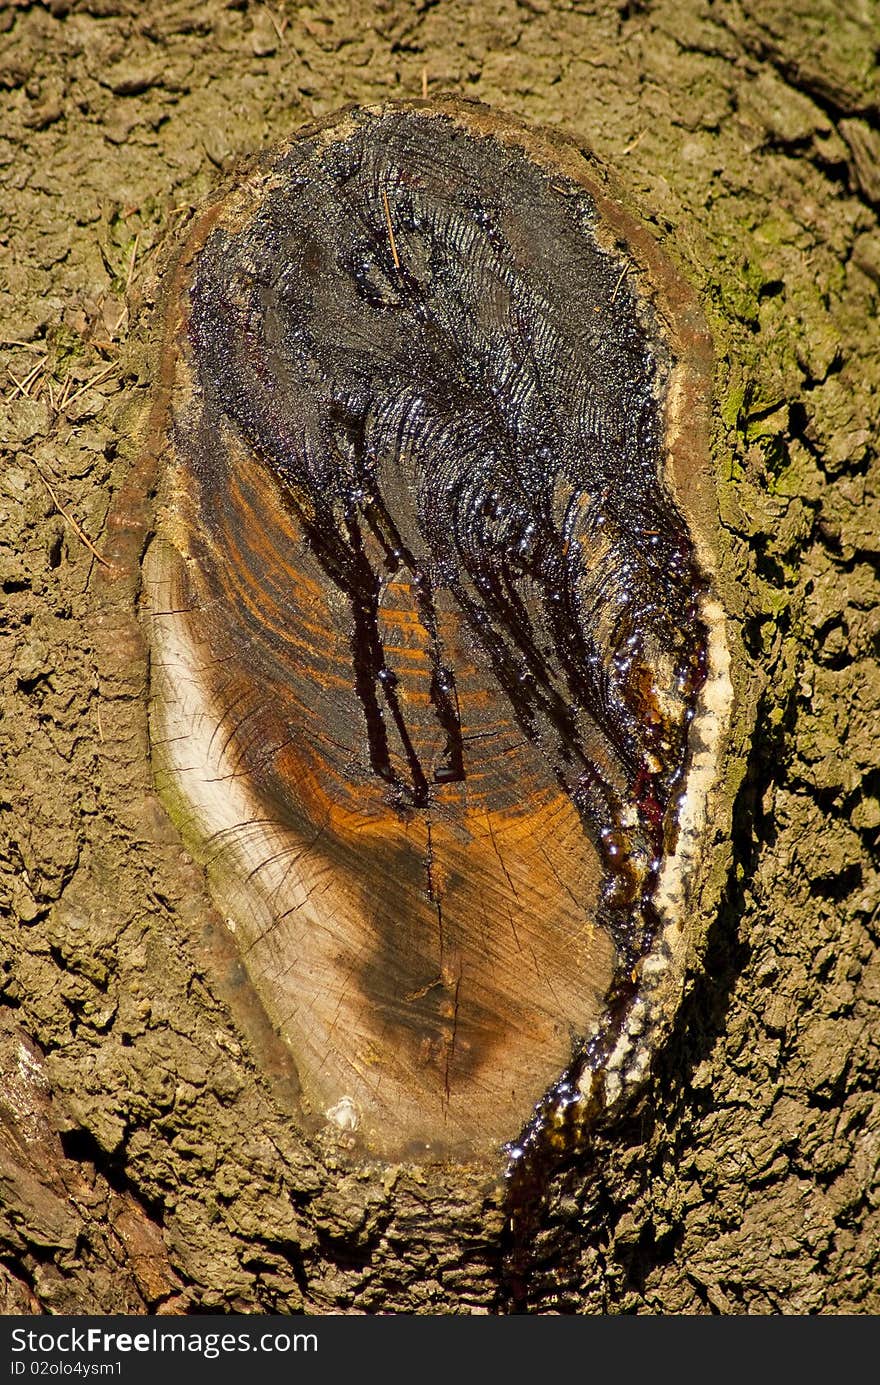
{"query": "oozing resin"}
(438, 675)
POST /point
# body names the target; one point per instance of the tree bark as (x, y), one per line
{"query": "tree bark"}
(150, 1157)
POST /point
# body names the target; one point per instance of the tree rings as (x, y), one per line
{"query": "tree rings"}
(439, 674)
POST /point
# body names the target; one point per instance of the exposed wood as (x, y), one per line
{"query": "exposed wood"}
(429, 622)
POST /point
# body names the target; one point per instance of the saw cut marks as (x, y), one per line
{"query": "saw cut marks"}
(431, 617)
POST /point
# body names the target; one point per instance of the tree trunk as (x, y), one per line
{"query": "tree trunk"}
(150, 1157)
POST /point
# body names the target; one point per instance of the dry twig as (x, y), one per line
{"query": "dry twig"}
(95, 380)
(394, 253)
(278, 25)
(71, 521)
(23, 386)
